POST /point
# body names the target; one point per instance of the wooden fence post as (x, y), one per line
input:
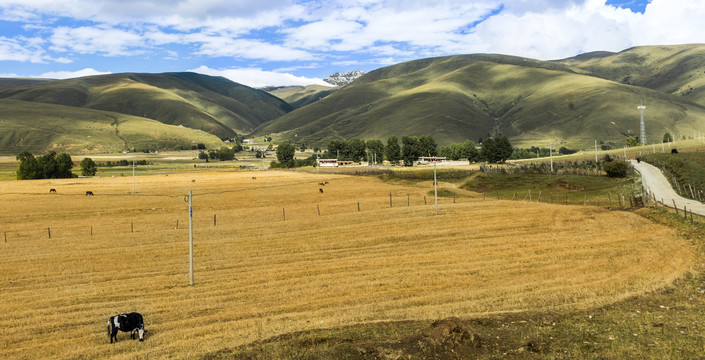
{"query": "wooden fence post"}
(318, 209)
(424, 199)
(214, 221)
(685, 212)
(49, 232)
(283, 214)
(131, 227)
(497, 194)
(358, 206)
(5, 236)
(390, 199)
(674, 206)
(585, 201)
(408, 200)
(91, 230)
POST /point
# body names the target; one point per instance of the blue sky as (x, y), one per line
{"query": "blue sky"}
(296, 42)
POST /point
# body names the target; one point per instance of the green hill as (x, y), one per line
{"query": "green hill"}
(677, 70)
(567, 103)
(299, 96)
(212, 104)
(38, 127)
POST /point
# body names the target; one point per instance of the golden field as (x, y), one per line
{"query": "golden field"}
(258, 275)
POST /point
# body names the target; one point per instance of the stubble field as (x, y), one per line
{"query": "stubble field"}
(259, 275)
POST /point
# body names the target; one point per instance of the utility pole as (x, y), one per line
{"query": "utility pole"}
(190, 237)
(595, 150)
(435, 186)
(133, 176)
(550, 151)
(643, 128)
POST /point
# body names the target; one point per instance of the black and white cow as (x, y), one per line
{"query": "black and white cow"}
(131, 322)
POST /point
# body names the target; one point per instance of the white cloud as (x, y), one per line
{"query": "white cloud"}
(247, 49)
(71, 74)
(255, 77)
(96, 40)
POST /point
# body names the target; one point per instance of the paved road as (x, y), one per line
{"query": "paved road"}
(655, 182)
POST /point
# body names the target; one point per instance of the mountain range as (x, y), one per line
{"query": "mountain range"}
(571, 102)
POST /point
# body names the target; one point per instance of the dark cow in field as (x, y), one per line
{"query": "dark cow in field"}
(131, 322)
(674, 151)
(89, 193)
(320, 190)
(52, 191)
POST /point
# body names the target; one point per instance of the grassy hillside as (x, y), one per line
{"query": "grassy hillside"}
(467, 97)
(38, 127)
(677, 70)
(298, 96)
(9, 83)
(212, 104)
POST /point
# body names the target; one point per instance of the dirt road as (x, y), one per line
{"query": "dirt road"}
(655, 182)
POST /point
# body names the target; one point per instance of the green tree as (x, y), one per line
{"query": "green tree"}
(29, 167)
(410, 149)
(469, 151)
(632, 141)
(336, 148)
(393, 152)
(427, 146)
(355, 149)
(64, 166)
(88, 167)
(497, 149)
(48, 167)
(203, 155)
(667, 137)
(376, 148)
(285, 154)
(225, 154)
(616, 168)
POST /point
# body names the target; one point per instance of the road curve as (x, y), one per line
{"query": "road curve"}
(655, 182)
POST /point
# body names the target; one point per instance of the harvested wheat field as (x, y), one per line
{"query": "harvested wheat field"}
(259, 275)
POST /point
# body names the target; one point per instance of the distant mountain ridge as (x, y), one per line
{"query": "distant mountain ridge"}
(571, 102)
(213, 105)
(342, 79)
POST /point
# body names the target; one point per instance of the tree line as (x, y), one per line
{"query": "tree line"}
(49, 166)
(493, 149)
(58, 166)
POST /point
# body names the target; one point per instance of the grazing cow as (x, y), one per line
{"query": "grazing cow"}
(321, 184)
(52, 191)
(674, 151)
(320, 190)
(254, 177)
(194, 180)
(89, 193)
(131, 322)
(326, 182)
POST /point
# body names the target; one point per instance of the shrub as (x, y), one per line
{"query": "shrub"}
(616, 168)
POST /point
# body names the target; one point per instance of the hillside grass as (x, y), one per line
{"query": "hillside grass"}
(38, 127)
(534, 103)
(684, 170)
(259, 276)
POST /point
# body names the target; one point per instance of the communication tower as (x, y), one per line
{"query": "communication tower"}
(643, 128)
